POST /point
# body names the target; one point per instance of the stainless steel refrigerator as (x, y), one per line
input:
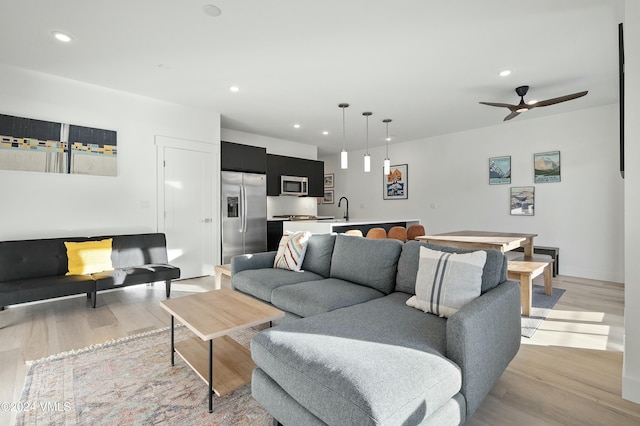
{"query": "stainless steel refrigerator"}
(244, 214)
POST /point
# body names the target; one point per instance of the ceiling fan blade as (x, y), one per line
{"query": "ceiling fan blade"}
(512, 115)
(554, 101)
(497, 104)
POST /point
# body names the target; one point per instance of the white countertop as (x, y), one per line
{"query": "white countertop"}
(327, 226)
(342, 222)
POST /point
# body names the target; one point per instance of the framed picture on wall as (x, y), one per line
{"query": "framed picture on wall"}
(522, 200)
(328, 180)
(395, 184)
(547, 167)
(328, 196)
(499, 170)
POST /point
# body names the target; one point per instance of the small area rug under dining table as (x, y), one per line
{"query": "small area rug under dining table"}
(130, 381)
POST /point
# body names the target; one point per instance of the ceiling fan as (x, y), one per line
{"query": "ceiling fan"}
(523, 106)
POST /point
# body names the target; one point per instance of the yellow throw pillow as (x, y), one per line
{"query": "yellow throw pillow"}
(89, 257)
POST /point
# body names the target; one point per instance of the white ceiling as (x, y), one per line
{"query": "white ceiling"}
(425, 64)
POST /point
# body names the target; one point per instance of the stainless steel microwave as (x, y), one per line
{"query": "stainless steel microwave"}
(294, 185)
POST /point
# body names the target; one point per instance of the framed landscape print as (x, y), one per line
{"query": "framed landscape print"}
(499, 170)
(522, 200)
(547, 167)
(328, 196)
(328, 180)
(395, 183)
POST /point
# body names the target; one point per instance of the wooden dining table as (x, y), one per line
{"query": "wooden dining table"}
(502, 241)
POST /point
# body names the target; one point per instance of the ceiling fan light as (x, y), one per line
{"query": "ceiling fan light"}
(344, 159)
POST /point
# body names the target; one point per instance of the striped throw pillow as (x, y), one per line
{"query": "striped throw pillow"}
(447, 281)
(291, 250)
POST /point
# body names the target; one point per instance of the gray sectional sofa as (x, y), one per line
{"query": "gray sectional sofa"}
(349, 351)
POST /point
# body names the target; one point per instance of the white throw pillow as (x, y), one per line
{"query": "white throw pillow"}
(447, 281)
(293, 246)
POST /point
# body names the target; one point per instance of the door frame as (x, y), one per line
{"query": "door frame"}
(213, 148)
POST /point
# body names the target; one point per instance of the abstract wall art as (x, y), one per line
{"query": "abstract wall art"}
(33, 145)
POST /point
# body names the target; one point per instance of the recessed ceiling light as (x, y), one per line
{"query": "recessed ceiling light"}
(296, 126)
(504, 73)
(234, 88)
(65, 38)
(325, 133)
(211, 10)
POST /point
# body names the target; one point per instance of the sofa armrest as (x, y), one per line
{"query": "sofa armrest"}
(252, 261)
(482, 339)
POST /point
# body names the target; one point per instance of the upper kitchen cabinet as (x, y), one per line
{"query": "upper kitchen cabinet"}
(278, 165)
(243, 158)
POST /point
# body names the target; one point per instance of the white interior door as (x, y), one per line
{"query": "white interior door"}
(186, 207)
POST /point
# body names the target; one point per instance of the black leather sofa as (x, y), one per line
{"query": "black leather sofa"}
(32, 270)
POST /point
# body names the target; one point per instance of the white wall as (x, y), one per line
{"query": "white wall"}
(36, 205)
(449, 189)
(631, 370)
(273, 145)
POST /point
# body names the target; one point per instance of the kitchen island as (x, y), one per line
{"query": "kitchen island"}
(341, 225)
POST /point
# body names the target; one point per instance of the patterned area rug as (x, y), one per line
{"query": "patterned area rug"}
(541, 304)
(130, 381)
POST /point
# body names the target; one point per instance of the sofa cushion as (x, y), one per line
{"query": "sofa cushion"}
(260, 282)
(318, 256)
(315, 297)
(494, 272)
(378, 362)
(33, 258)
(138, 249)
(368, 262)
(291, 250)
(135, 275)
(31, 289)
(447, 281)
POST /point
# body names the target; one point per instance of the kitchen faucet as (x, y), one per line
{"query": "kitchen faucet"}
(346, 214)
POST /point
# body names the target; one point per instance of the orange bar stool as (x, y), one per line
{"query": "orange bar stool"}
(415, 231)
(398, 233)
(377, 233)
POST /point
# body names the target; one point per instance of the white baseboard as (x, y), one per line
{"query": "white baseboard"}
(631, 388)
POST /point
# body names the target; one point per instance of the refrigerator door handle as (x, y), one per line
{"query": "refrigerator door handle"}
(243, 209)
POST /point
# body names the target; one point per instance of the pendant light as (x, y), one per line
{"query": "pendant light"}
(344, 160)
(367, 157)
(387, 162)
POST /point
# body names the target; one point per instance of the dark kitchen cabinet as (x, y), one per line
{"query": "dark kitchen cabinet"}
(278, 165)
(236, 157)
(274, 234)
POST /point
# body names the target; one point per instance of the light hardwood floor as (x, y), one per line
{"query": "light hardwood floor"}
(569, 373)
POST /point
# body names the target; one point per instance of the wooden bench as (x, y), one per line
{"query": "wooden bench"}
(541, 254)
(219, 271)
(525, 272)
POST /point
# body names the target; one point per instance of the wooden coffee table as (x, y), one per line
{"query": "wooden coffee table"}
(211, 316)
